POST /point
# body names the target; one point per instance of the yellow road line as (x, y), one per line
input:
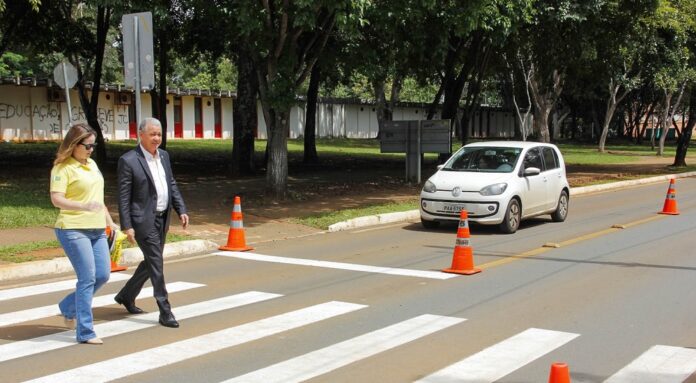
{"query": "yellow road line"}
(541, 250)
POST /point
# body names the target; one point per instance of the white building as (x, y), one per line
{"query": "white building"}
(32, 111)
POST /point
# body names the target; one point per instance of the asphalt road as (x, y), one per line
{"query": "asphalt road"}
(371, 305)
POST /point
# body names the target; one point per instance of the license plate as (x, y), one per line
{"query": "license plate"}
(453, 208)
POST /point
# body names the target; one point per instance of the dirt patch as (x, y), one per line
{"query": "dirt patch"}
(39, 255)
(211, 199)
(209, 191)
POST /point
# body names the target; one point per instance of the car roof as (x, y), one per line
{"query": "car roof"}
(509, 144)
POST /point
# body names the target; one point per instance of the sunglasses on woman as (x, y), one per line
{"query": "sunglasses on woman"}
(88, 146)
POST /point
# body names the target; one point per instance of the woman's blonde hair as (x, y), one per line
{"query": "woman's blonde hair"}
(75, 135)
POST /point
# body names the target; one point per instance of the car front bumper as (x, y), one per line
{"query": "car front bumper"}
(485, 210)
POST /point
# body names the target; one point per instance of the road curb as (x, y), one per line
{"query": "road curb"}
(129, 257)
(620, 184)
(409, 215)
(372, 220)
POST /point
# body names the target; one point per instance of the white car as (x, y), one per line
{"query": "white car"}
(497, 183)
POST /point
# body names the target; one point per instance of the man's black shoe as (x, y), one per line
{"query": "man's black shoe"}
(168, 320)
(130, 306)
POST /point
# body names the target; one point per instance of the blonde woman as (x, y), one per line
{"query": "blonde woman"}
(77, 189)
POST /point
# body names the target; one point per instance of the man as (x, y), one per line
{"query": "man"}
(147, 193)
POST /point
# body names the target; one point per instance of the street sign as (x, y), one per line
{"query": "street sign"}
(65, 75)
(138, 56)
(433, 136)
(415, 138)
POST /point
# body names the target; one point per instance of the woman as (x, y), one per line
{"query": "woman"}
(77, 188)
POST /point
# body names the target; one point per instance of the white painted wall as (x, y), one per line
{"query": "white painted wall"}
(26, 114)
(227, 123)
(170, 116)
(188, 118)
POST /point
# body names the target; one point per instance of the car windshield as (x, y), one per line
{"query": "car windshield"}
(483, 159)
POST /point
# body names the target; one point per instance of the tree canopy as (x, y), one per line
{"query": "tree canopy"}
(605, 65)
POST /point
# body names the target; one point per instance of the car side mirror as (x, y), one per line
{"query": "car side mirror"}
(531, 171)
(440, 166)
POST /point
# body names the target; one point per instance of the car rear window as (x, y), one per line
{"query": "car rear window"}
(550, 159)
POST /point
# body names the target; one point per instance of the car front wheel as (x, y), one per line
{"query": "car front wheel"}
(512, 217)
(562, 209)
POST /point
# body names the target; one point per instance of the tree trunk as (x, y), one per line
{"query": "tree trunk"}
(384, 106)
(664, 124)
(163, 69)
(381, 108)
(277, 168)
(244, 116)
(90, 105)
(667, 115)
(687, 130)
(310, 142)
(544, 100)
(521, 128)
(541, 122)
(612, 102)
(648, 118)
(432, 108)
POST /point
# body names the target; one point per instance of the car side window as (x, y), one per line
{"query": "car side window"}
(533, 159)
(550, 158)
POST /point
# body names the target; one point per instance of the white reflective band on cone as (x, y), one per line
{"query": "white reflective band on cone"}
(462, 241)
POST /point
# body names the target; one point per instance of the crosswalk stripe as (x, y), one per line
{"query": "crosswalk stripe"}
(22, 292)
(336, 265)
(319, 362)
(157, 357)
(660, 364)
(502, 358)
(103, 300)
(132, 323)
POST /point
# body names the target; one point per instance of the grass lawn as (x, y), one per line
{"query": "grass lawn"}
(25, 202)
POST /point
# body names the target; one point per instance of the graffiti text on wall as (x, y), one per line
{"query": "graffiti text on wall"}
(51, 111)
(42, 112)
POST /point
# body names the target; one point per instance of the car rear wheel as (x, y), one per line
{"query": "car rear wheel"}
(429, 224)
(562, 209)
(512, 217)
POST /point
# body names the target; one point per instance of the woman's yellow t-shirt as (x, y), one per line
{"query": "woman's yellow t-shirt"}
(81, 183)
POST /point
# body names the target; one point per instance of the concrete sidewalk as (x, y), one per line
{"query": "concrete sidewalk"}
(258, 230)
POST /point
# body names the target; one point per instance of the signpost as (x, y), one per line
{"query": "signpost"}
(65, 75)
(138, 56)
(415, 138)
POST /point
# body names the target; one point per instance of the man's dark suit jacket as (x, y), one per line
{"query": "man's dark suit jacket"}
(137, 194)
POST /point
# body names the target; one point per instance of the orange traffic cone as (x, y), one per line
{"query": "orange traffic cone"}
(110, 237)
(463, 257)
(670, 206)
(116, 267)
(235, 238)
(559, 373)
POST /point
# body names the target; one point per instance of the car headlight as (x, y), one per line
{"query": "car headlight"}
(429, 187)
(494, 189)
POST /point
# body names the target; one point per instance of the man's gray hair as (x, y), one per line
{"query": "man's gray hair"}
(148, 121)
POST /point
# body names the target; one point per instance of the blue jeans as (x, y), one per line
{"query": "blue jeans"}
(88, 252)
